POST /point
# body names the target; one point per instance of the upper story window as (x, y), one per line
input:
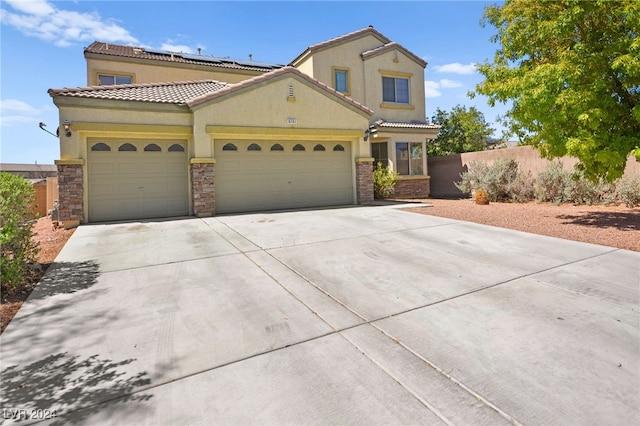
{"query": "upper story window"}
(111, 79)
(341, 80)
(395, 89)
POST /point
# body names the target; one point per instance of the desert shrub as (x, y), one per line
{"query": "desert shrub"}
(16, 219)
(501, 180)
(558, 185)
(384, 181)
(628, 190)
(551, 183)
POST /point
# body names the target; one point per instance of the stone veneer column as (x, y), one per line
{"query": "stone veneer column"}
(203, 189)
(364, 180)
(70, 192)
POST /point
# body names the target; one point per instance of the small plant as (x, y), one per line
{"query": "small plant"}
(628, 190)
(16, 218)
(384, 181)
(481, 196)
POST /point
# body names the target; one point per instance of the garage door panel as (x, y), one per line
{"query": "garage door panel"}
(270, 180)
(137, 184)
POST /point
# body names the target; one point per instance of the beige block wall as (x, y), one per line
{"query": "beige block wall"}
(445, 170)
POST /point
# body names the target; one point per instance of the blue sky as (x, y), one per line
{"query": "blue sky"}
(42, 42)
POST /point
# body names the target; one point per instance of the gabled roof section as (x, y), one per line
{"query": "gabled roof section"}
(167, 93)
(273, 75)
(342, 39)
(393, 46)
(109, 49)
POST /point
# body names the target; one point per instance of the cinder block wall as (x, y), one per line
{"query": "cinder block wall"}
(446, 170)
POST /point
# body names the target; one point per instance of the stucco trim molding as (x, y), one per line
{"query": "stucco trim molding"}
(70, 162)
(365, 160)
(414, 177)
(202, 161)
(270, 133)
(94, 127)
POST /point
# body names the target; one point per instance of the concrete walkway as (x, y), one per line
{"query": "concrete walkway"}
(359, 315)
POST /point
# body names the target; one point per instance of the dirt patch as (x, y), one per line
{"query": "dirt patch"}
(615, 226)
(50, 240)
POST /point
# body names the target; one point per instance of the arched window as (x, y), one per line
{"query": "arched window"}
(100, 146)
(338, 148)
(277, 147)
(254, 147)
(152, 147)
(319, 147)
(127, 147)
(176, 148)
(229, 147)
(299, 147)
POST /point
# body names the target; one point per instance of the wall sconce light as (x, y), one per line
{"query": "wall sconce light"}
(66, 125)
(371, 131)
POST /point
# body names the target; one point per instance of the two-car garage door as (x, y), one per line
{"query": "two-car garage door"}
(137, 179)
(271, 175)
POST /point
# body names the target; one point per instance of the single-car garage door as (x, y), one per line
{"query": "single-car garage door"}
(269, 175)
(137, 179)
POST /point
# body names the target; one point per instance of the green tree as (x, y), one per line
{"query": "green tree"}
(572, 70)
(463, 130)
(18, 251)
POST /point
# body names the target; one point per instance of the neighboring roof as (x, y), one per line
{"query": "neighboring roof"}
(169, 93)
(232, 88)
(393, 46)
(16, 167)
(406, 124)
(342, 39)
(109, 49)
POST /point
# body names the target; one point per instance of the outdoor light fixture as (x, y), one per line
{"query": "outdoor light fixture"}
(66, 125)
(371, 131)
(42, 126)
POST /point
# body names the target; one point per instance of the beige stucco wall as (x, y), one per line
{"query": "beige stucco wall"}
(267, 108)
(150, 73)
(395, 63)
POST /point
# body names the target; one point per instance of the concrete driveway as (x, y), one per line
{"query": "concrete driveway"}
(359, 315)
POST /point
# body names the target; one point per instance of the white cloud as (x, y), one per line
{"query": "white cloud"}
(15, 111)
(431, 89)
(450, 84)
(39, 18)
(456, 68)
(176, 48)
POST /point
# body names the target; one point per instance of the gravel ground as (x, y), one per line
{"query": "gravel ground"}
(614, 226)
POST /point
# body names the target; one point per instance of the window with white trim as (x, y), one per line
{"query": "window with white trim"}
(395, 90)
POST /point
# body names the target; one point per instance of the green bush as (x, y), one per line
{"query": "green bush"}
(551, 183)
(18, 251)
(501, 180)
(628, 190)
(384, 181)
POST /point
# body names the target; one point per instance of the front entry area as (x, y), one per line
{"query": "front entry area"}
(137, 179)
(272, 175)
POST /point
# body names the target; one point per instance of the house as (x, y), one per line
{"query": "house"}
(160, 134)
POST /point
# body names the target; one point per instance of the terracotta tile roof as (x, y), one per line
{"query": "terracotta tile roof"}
(169, 93)
(231, 88)
(393, 46)
(406, 124)
(110, 49)
(343, 38)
